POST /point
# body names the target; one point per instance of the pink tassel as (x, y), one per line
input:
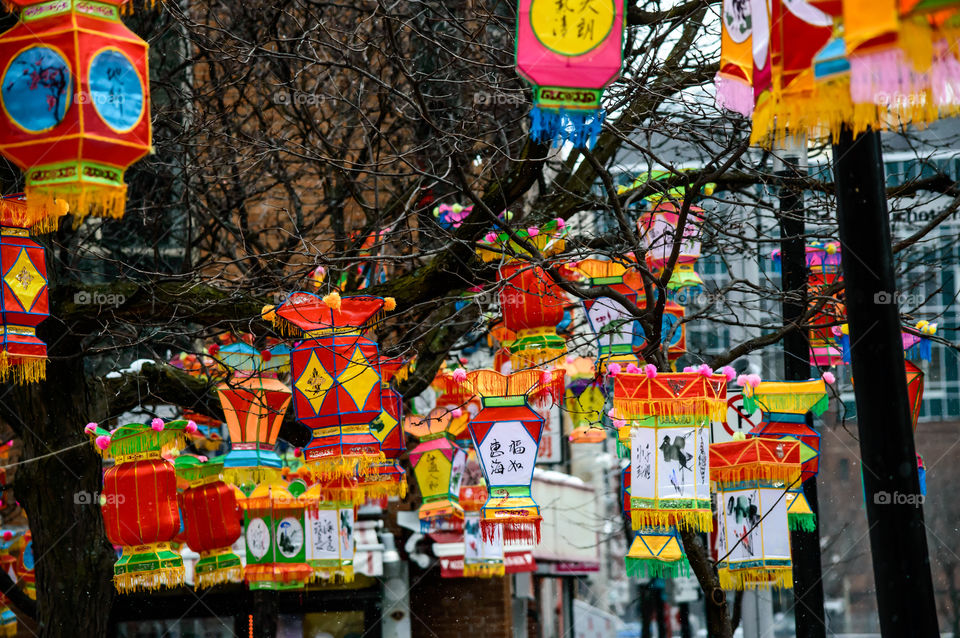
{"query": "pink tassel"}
(611, 413)
(103, 442)
(705, 370)
(632, 368)
(90, 428)
(754, 380)
(191, 427)
(650, 370)
(533, 231)
(456, 413)
(157, 424)
(619, 423)
(490, 238)
(742, 380)
(729, 373)
(614, 369)
(561, 224)
(829, 378)
(459, 375)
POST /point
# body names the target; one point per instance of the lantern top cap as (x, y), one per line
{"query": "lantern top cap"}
(670, 394)
(192, 469)
(138, 438)
(303, 313)
(14, 213)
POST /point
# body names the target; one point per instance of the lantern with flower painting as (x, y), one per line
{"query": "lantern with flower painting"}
(331, 519)
(531, 300)
(275, 538)
(336, 378)
(140, 510)
(752, 477)
(438, 464)
(76, 106)
(668, 418)
(213, 521)
(506, 434)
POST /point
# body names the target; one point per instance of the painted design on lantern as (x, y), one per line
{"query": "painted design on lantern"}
(289, 537)
(643, 461)
(37, 89)
(509, 453)
(116, 90)
(743, 514)
(571, 27)
(323, 526)
(258, 538)
(315, 382)
(611, 321)
(25, 281)
(676, 467)
(346, 531)
(457, 469)
(737, 19)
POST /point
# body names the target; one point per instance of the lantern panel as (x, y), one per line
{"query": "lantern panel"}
(754, 535)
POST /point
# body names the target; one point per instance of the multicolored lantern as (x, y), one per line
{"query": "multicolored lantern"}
(387, 428)
(331, 519)
(275, 538)
(23, 567)
(914, 391)
(23, 357)
(658, 232)
(611, 323)
(753, 476)
(438, 464)
(669, 439)
(584, 402)
(656, 552)
(783, 405)
(336, 378)
(213, 521)
(9, 540)
(506, 434)
(76, 104)
(140, 509)
(569, 53)
(800, 516)
(253, 408)
(482, 556)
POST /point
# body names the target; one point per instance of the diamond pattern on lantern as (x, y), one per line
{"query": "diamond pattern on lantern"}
(315, 382)
(359, 378)
(25, 281)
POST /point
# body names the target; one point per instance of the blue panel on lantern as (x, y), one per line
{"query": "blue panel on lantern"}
(37, 89)
(116, 90)
(27, 556)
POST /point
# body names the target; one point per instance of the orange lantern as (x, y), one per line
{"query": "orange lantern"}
(253, 408)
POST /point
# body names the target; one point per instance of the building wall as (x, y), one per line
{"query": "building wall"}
(454, 607)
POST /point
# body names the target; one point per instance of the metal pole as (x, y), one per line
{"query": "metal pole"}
(898, 542)
(804, 546)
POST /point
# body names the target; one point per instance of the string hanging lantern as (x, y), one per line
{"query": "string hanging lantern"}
(669, 418)
(76, 104)
(387, 478)
(584, 402)
(752, 477)
(438, 464)
(336, 378)
(506, 434)
(212, 519)
(482, 557)
(658, 233)
(140, 509)
(253, 408)
(274, 536)
(656, 552)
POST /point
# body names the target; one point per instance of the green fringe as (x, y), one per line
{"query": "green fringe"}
(651, 568)
(623, 451)
(803, 522)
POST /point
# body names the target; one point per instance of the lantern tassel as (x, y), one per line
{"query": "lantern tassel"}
(85, 199)
(580, 128)
(780, 577)
(788, 473)
(515, 530)
(22, 370)
(653, 568)
(483, 570)
(334, 467)
(805, 522)
(332, 571)
(217, 568)
(694, 520)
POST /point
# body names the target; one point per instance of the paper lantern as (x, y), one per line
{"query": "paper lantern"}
(253, 408)
(611, 323)
(656, 553)
(506, 434)
(213, 521)
(245, 360)
(139, 499)
(438, 464)
(752, 477)
(569, 53)
(482, 557)
(454, 395)
(783, 405)
(275, 538)
(658, 232)
(584, 403)
(76, 104)
(331, 520)
(734, 80)
(387, 428)
(336, 379)
(799, 514)
(669, 439)
(23, 357)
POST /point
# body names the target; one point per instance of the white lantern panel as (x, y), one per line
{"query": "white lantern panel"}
(508, 454)
(323, 535)
(643, 482)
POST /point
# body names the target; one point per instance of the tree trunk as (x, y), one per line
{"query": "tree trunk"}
(718, 620)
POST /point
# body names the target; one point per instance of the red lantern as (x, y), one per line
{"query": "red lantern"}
(76, 103)
(532, 305)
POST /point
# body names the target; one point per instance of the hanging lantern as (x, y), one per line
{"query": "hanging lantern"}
(914, 391)
(569, 53)
(783, 405)
(800, 516)
(753, 476)
(243, 359)
(734, 80)
(658, 231)
(253, 408)
(387, 428)
(23, 567)
(336, 379)
(23, 358)
(669, 438)
(584, 402)
(275, 540)
(611, 323)
(438, 464)
(331, 519)
(656, 552)
(9, 540)
(140, 502)
(213, 521)
(453, 395)
(673, 330)
(482, 556)
(75, 104)
(506, 434)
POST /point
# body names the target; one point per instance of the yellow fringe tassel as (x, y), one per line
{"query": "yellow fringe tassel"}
(84, 200)
(916, 41)
(22, 370)
(695, 520)
(344, 466)
(770, 472)
(535, 357)
(705, 409)
(336, 575)
(251, 475)
(219, 577)
(755, 578)
(483, 570)
(148, 581)
(380, 489)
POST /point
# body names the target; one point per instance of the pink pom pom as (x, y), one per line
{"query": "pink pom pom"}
(614, 369)
(742, 380)
(754, 380)
(829, 378)
(632, 368)
(729, 373)
(456, 413)
(297, 452)
(619, 423)
(571, 358)
(103, 442)
(90, 428)
(650, 370)
(561, 224)
(157, 424)
(202, 458)
(191, 427)
(611, 413)
(533, 231)
(7, 535)
(689, 369)
(459, 375)
(547, 377)
(490, 238)
(705, 370)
